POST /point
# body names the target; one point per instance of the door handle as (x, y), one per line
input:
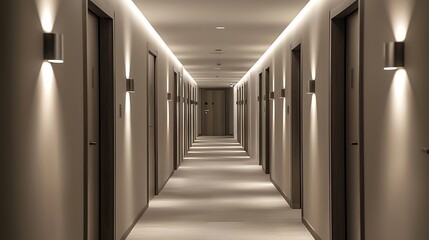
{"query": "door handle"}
(355, 144)
(93, 143)
(425, 150)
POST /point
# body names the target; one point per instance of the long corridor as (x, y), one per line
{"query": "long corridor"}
(219, 193)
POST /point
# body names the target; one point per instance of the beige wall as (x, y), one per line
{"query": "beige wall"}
(396, 122)
(43, 130)
(395, 117)
(311, 28)
(42, 124)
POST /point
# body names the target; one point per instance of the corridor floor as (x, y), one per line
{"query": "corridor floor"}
(219, 193)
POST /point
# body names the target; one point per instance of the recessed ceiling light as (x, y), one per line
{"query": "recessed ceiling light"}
(218, 50)
(220, 28)
(218, 68)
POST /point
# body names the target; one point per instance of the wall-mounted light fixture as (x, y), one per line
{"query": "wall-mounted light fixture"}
(130, 85)
(283, 93)
(394, 55)
(311, 88)
(53, 49)
(271, 95)
(169, 97)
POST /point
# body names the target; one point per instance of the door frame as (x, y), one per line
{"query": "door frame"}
(107, 122)
(154, 53)
(246, 116)
(296, 152)
(337, 120)
(189, 116)
(176, 148)
(267, 77)
(260, 101)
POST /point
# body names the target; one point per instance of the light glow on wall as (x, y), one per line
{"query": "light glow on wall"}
(127, 60)
(47, 13)
(399, 115)
(313, 163)
(313, 70)
(127, 46)
(128, 157)
(400, 13)
(284, 69)
(47, 149)
(313, 128)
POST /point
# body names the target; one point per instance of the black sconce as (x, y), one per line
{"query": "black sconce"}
(394, 55)
(311, 88)
(130, 85)
(53, 49)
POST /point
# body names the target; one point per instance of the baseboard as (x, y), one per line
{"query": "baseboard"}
(136, 220)
(311, 229)
(165, 183)
(281, 191)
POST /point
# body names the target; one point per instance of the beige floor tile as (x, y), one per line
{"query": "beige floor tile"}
(219, 193)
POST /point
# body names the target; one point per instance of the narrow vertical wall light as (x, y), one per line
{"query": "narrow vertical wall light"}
(283, 93)
(311, 88)
(130, 85)
(53, 49)
(394, 55)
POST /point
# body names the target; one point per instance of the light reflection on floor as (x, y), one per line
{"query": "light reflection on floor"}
(219, 195)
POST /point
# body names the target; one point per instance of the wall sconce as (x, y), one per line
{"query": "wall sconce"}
(271, 95)
(394, 55)
(283, 93)
(169, 97)
(53, 50)
(311, 88)
(130, 85)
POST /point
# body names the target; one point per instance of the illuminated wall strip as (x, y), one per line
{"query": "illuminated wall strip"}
(158, 38)
(279, 40)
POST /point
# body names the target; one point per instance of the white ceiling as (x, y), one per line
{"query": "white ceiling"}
(188, 27)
